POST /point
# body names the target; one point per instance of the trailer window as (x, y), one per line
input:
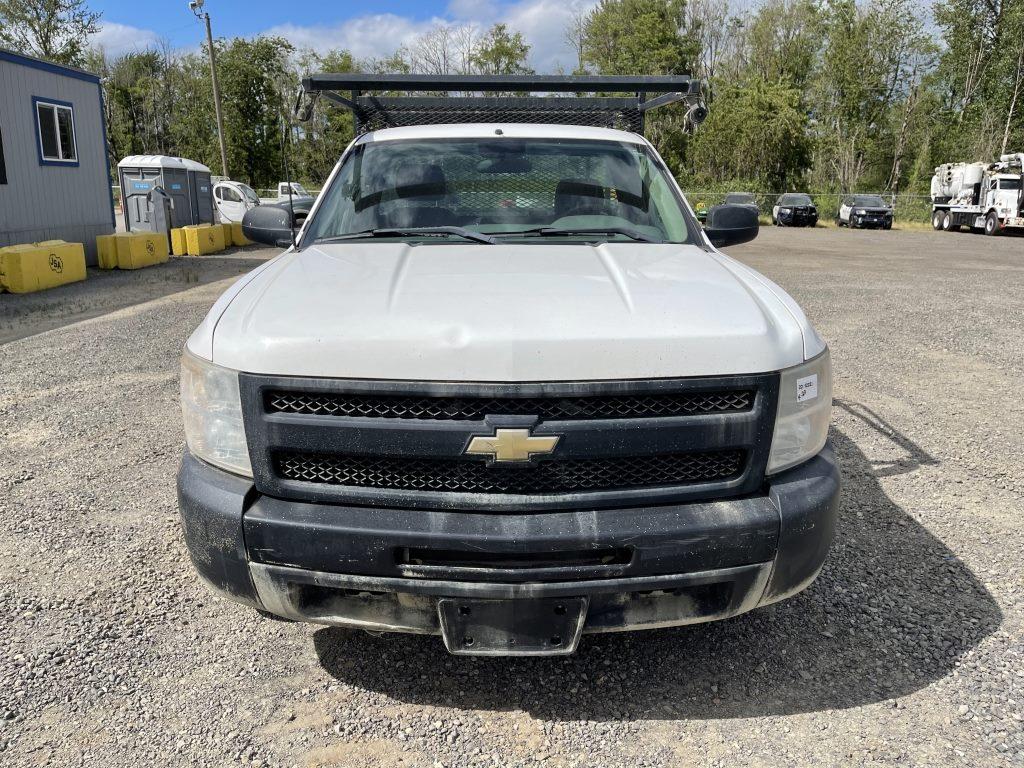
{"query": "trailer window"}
(55, 123)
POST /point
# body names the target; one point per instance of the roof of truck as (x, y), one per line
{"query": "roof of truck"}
(511, 130)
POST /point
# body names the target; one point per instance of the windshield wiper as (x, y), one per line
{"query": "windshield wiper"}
(558, 231)
(468, 234)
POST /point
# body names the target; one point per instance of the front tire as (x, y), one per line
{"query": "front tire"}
(991, 224)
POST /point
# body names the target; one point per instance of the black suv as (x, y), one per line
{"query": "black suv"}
(794, 209)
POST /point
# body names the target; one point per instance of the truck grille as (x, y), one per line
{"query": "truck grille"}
(476, 408)
(547, 477)
(402, 444)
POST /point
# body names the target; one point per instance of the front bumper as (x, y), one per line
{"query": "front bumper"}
(387, 569)
(872, 221)
(798, 219)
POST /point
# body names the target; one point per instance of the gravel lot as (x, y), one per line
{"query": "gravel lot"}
(908, 650)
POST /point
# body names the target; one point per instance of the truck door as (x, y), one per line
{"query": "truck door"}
(229, 202)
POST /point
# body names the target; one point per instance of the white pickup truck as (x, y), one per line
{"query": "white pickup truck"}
(297, 192)
(505, 389)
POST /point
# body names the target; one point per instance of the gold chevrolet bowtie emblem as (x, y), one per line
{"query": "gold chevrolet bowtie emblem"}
(509, 445)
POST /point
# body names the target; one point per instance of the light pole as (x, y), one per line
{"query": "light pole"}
(197, 9)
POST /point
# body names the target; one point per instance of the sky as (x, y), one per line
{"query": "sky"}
(373, 28)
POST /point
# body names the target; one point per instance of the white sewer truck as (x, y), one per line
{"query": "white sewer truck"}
(981, 196)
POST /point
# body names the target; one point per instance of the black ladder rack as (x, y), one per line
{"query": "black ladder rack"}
(384, 101)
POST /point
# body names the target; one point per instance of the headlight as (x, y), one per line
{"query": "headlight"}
(785, 210)
(860, 212)
(805, 408)
(212, 409)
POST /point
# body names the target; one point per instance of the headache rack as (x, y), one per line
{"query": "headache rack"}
(612, 101)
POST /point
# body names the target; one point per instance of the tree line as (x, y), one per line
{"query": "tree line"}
(828, 95)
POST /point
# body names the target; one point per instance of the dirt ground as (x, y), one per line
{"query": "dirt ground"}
(908, 650)
(104, 291)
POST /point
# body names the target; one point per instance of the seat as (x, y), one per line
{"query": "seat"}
(581, 197)
(420, 190)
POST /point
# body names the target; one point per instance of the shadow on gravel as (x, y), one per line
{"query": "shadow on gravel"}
(891, 613)
(915, 457)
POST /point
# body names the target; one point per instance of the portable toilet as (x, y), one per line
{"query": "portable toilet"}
(185, 183)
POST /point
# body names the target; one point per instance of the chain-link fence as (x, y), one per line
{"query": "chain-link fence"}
(906, 207)
(272, 193)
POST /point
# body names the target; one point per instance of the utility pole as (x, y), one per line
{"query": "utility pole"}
(197, 9)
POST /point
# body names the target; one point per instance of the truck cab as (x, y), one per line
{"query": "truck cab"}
(505, 389)
(1002, 193)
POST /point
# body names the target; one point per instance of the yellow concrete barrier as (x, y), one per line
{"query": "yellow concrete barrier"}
(227, 233)
(178, 245)
(106, 251)
(136, 250)
(204, 238)
(38, 266)
(237, 238)
(131, 250)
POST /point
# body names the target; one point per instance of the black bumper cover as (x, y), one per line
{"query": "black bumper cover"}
(798, 220)
(235, 535)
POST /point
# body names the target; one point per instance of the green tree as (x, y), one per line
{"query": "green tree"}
(782, 41)
(255, 78)
(501, 53)
(756, 132)
(639, 37)
(982, 72)
(644, 37)
(321, 140)
(57, 30)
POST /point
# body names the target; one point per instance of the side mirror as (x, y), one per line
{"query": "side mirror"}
(269, 224)
(731, 225)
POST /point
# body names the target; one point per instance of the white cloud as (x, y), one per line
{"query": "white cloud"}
(542, 23)
(373, 36)
(118, 39)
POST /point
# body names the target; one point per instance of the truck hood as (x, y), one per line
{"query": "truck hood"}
(509, 312)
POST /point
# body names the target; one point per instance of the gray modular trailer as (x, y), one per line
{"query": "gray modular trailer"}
(54, 168)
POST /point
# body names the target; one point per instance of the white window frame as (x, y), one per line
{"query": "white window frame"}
(56, 107)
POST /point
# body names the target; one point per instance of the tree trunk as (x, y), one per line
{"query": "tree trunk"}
(1016, 92)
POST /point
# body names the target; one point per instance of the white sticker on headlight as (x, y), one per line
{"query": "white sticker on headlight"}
(807, 388)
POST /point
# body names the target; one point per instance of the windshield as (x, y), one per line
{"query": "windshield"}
(502, 186)
(873, 201)
(249, 194)
(795, 200)
(739, 198)
(1009, 183)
